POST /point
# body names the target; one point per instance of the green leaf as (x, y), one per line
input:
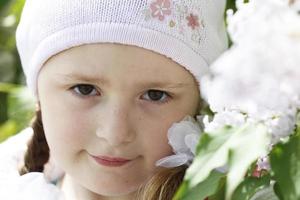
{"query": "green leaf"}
(202, 190)
(285, 164)
(250, 186)
(220, 194)
(236, 147)
(181, 192)
(251, 143)
(210, 155)
(267, 193)
(277, 191)
(231, 5)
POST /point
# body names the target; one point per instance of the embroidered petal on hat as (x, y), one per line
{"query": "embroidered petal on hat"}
(161, 8)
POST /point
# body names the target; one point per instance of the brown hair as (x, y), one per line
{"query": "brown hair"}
(37, 154)
(162, 186)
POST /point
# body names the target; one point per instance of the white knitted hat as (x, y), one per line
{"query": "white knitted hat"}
(190, 32)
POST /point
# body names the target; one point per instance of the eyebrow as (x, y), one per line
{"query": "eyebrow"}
(103, 81)
(84, 78)
(165, 85)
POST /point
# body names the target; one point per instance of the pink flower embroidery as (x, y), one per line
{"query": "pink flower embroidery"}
(161, 8)
(193, 21)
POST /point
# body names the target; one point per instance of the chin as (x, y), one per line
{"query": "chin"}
(115, 191)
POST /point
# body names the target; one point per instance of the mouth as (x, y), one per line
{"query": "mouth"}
(110, 161)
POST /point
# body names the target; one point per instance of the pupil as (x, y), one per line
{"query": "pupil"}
(155, 95)
(85, 89)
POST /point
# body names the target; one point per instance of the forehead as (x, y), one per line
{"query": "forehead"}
(116, 60)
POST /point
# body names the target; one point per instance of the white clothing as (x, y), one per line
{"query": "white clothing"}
(31, 186)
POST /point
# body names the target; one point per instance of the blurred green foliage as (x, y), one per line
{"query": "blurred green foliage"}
(16, 103)
(17, 107)
(10, 66)
(231, 5)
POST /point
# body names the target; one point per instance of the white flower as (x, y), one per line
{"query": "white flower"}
(263, 163)
(258, 77)
(258, 19)
(281, 127)
(221, 119)
(183, 137)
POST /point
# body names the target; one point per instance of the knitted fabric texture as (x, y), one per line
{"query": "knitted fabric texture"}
(190, 32)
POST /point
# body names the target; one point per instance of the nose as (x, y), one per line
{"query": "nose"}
(116, 127)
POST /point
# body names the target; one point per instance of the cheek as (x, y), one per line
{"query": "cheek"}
(66, 130)
(155, 128)
(155, 140)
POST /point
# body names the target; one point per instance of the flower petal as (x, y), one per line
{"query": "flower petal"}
(173, 160)
(191, 142)
(178, 132)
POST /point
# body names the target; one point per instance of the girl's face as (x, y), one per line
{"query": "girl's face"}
(114, 101)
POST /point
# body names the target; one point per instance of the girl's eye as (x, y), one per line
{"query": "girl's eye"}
(85, 90)
(157, 96)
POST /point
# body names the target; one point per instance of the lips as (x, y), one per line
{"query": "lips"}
(110, 161)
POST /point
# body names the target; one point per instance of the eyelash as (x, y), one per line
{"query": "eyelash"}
(77, 93)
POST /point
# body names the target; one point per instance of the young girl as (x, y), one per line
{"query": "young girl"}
(110, 78)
